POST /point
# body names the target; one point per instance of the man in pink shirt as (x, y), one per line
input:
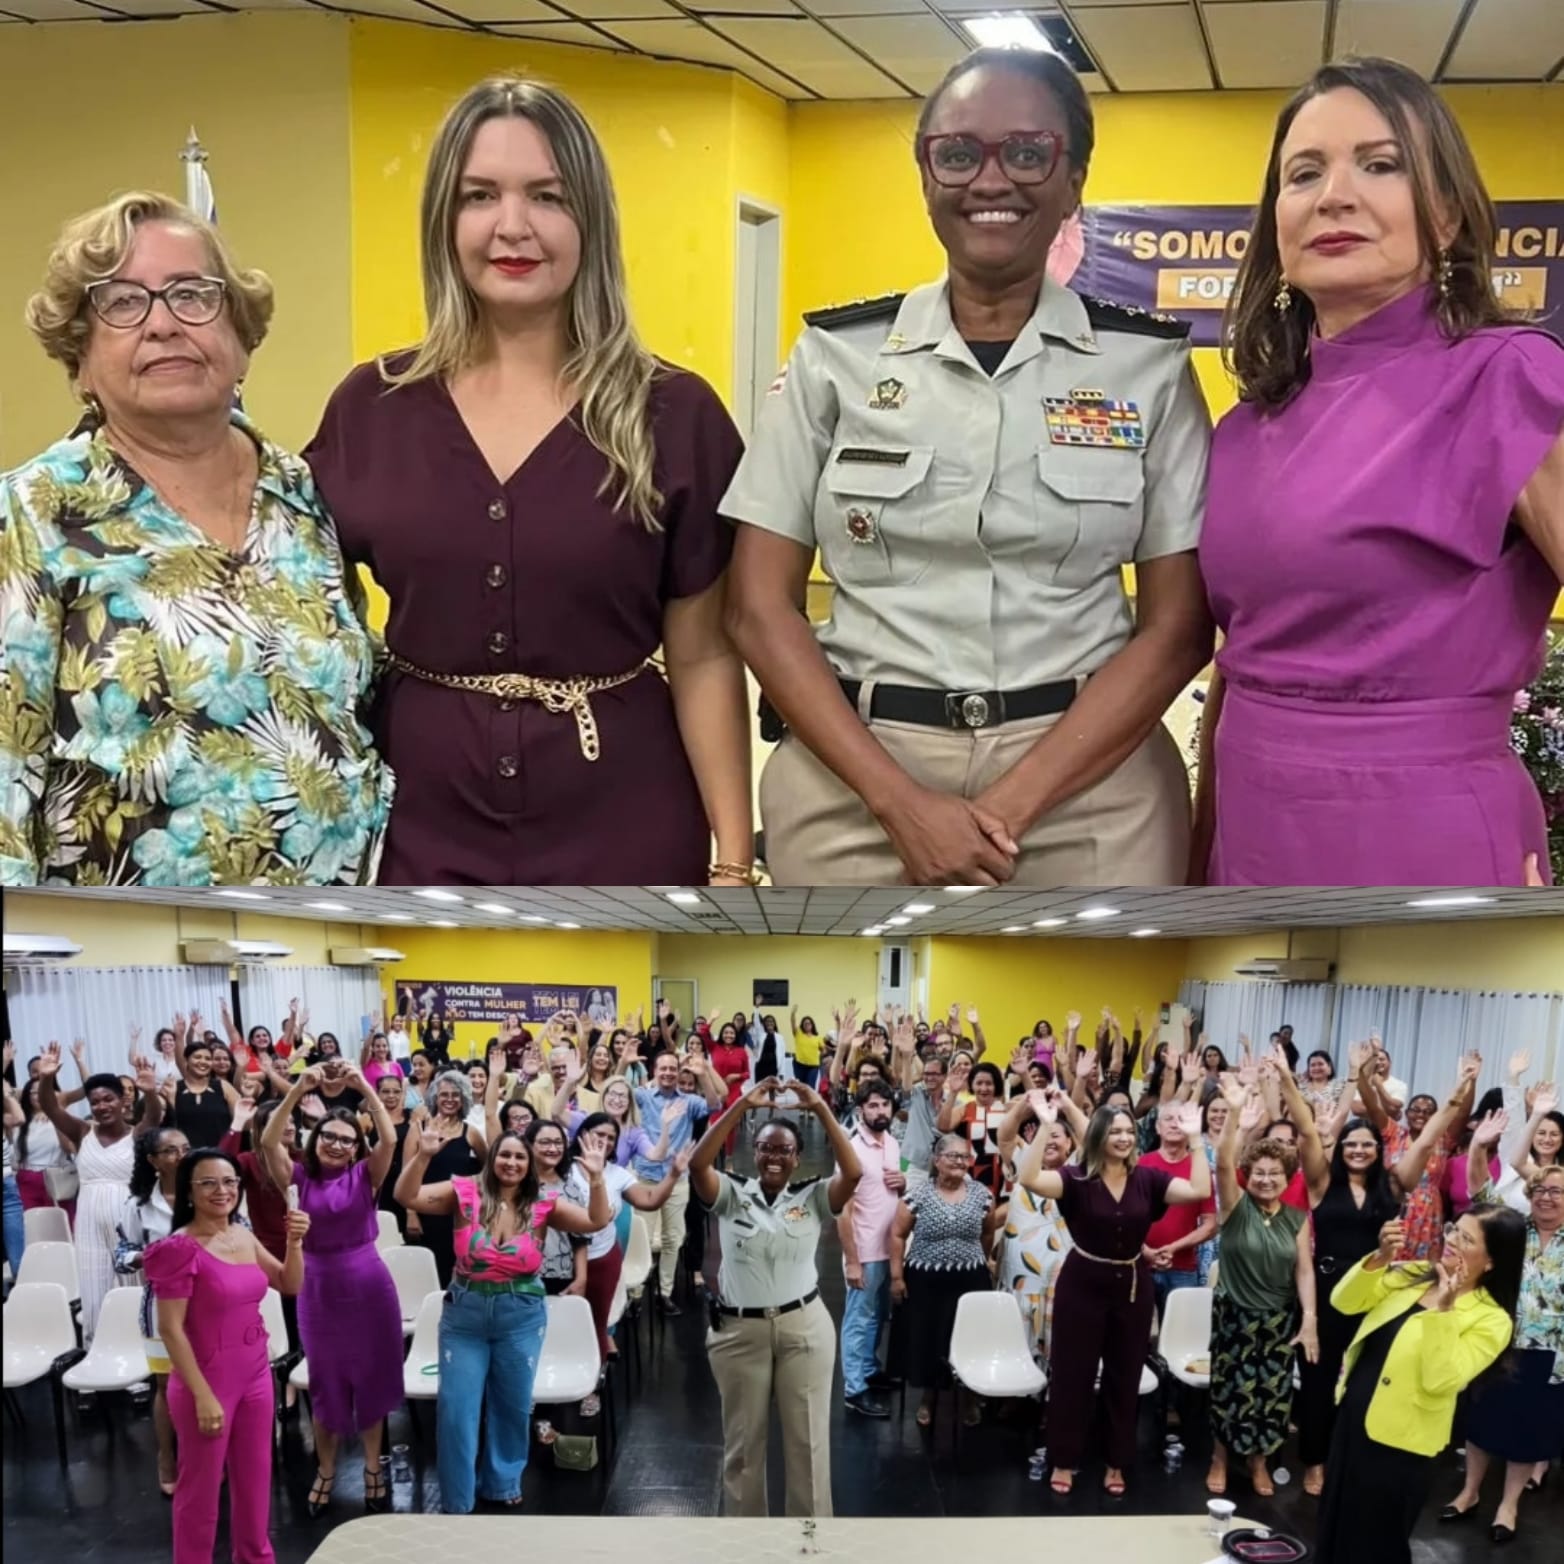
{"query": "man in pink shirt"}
(1171, 1244)
(865, 1230)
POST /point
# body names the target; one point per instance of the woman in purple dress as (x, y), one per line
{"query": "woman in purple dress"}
(538, 496)
(1384, 535)
(350, 1321)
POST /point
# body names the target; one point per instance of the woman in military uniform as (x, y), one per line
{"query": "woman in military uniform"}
(975, 461)
(770, 1331)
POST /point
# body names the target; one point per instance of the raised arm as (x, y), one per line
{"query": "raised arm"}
(1243, 1113)
(1195, 1189)
(384, 1149)
(848, 1171)
(1031, 1174)
(1373, 1100)
(279, 1165)
(703, 1173)
(1478, 1173)
(567, 1216)
(1542, 1105)
(1311, 1152)
(230, 1031)
(411, 1193)
(1413, 1162)
(979, 1041)
(70, 1127)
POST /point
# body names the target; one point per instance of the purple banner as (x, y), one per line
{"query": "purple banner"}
(1182, 260)
(493, 1003)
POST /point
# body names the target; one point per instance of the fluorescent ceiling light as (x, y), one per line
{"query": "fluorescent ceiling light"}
(917, 907)
(569, 925)
(1015, 928)
(242, 895)
(433, 895)
(1144, 933)
(330, 906)
(685, 898)
(1450, 901)
(874, 931)
(1096, 914)
(1050, 923)
(897, 923)
(1010, 30)
(394, 917)
(442, 923)
(964, 890)
(496, 907)
(532, 917)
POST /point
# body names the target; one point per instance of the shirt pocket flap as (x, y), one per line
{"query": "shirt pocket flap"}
(880, 472)
(1099, 480)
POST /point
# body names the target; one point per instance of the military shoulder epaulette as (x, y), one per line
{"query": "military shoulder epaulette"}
(882, 308)
(1108, 316)
(802, 1184)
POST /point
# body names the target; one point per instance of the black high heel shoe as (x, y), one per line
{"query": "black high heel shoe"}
(1501, 1534)
(377, 1498)
(1452, 1513)
(320, 1494)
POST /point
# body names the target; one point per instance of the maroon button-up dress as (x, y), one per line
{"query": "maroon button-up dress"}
(537, 575)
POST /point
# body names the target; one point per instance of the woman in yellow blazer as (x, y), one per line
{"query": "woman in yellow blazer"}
(1428, 1332)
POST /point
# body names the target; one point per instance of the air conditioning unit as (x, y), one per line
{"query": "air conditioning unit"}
(23, 949)
(364, 955)
(226, 952)
(1281, 969)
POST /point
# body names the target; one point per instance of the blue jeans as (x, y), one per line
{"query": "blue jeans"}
(15, 1227)
(1171, 1281)
(809, 1074)
(861, 1322)
(489, 1349)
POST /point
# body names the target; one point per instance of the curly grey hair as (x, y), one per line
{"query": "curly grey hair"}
(458, 1084)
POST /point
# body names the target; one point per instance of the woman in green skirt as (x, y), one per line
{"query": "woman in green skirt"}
(1264, 1301)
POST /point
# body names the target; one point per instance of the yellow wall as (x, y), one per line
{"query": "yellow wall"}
(92, 110)
(1524, 954)
(1018, 980)
(824, 973)
(853, 173)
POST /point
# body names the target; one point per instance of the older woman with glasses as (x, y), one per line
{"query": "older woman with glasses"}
(461, 1155)
(183, 658)
(1518, 1417)
(349, 1317)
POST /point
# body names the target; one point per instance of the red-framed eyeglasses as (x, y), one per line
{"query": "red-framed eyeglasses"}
(1027, 157)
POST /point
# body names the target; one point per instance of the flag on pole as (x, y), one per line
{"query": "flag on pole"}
(198, 187)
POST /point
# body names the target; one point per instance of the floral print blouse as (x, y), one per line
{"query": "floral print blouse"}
(1539, 1316)
(172, 713)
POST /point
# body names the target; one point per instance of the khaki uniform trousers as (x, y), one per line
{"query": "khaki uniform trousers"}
(1131, 828)
(793, 1356)
(665, 1230)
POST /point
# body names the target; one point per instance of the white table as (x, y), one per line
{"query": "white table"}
(587, 1539)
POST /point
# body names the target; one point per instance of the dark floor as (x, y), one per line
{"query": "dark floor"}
(107, 1504)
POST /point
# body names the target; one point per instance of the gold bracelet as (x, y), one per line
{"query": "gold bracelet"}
(746, 872)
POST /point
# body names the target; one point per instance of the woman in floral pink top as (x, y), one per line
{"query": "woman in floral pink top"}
(491, 1329)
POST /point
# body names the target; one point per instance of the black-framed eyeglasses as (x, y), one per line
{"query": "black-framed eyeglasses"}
(1027, 157)
(211, 1184)
(338, 1140)
(193, 301)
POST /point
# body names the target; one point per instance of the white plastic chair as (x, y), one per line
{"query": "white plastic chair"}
(1186, 1334)
(39, 1332)
(638, 1253)
(388, 1236)
(621, 1302)
(569, 1366)
(276, 1326)
(988, 1347)
(51, 1262)
(46, 1225)
(117, 1359)
(421, 1370)
(299, 1375)
(413, 1270)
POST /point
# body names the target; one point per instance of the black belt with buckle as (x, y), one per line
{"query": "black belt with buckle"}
(768, 1313)
(962, 708)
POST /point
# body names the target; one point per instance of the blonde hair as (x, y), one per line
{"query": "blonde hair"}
(633, 1115)
(606, 365)
(93, 246)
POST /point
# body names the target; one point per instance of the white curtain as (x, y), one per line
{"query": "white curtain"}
(343, 1000)
(1255, 1010)
(101, 1004)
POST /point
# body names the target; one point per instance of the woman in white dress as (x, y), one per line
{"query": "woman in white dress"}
(104, 1158)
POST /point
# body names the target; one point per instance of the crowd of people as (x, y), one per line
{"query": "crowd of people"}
(1013, 734)
(1386, 1265)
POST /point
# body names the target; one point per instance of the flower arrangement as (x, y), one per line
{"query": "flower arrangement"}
(1537, 736)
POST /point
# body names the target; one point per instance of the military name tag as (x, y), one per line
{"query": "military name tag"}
(1089, 418)
(857, 453)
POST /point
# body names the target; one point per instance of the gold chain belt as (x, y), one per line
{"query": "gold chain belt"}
(1134, 1266)
(555, 695)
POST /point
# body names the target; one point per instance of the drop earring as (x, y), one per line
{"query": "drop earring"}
(1283, 300)
(1446, 271)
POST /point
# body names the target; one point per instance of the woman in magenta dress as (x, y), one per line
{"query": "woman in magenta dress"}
(210, 1275)
(538, 496)
(1384, 534)
(350, 1321)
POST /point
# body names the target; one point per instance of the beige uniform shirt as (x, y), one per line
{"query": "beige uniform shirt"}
(974, 538)
(768, 1251)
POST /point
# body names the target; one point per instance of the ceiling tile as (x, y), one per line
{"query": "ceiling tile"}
(560, 32)
(1412, 31)
(686, 40)
(1509, 40)
(1146, 48)
(915, 49)
(53, 11)
(487, 11)
(867, 7)
(809, 52)
(596, 10)
(399, 10)
(1266, 43)
(744, 7)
